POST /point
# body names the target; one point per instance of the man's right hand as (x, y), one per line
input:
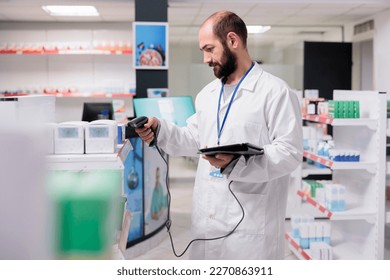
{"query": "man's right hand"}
(147, 132)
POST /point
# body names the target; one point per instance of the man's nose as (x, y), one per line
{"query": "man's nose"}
(206, 58)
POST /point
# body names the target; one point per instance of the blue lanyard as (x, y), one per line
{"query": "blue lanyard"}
(220, 128)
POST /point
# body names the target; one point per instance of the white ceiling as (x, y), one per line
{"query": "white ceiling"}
(290, 19)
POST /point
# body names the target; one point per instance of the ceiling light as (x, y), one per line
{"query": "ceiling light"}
(258, 28)
(81, 11)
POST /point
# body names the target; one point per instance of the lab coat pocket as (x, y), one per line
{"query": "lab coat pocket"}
(254, 209)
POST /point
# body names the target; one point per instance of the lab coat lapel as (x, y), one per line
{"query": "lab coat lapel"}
(250, 81)
(248, 84)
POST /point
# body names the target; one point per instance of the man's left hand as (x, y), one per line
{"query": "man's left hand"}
(219, 160)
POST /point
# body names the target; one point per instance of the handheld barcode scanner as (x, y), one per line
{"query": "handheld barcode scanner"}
(140, 122)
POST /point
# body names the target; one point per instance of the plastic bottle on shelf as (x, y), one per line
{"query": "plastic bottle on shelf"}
(312, 233)
(318, 229)
(357, 156)
(320, 196)
(320, 152)
(326, 232)
(304, 241)
(341, 198)
(331, 197)
(306, 135)
(328, 145)
(295, 221)
(312, 108)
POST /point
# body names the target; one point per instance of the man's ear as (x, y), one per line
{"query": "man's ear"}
(232, 39)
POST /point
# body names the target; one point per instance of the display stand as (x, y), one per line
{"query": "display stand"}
(358, 232)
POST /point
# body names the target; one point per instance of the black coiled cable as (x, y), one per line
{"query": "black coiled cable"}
(168, 223)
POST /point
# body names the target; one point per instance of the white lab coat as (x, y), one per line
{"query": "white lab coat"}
(266, 113)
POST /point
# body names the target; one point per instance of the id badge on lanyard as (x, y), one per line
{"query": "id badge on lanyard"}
(219, 125)
(216, 175)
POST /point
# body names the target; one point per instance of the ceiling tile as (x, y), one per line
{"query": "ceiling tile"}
(188, 11)
(116, 10)
(343, 19)
(306, 20)
(276, 10)
(178, 30)
(365, 11)
(322, 11)
(118, 18)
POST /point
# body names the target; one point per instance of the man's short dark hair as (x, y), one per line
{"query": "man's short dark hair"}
(225, 22)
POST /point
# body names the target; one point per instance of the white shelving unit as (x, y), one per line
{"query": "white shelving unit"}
(357, 212)
(358, 232)
(309, 169)
(296, 205)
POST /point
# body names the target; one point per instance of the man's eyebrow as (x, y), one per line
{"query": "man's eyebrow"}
(205, 46)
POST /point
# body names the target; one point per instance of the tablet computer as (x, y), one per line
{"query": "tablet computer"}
(236, 149)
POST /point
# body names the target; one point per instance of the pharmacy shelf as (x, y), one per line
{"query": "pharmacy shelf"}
(357, 213)
(342, 250)
(293, 244)
(314, 203)
(93, 94)
(68, 51)
(353, 240)
(371, 123)
(310, 169)
(76, 94)
(335, 165)
(357, 233)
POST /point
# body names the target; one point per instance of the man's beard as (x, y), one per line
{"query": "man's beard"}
(228, 65)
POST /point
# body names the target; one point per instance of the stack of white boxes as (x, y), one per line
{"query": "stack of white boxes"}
(101, 137)
(311, 233)
(79, 137)
(69, 137)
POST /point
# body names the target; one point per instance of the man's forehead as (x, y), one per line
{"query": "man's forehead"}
(206, 35)
(206, 28)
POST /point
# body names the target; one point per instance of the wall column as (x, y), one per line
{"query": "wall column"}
(154, 11)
